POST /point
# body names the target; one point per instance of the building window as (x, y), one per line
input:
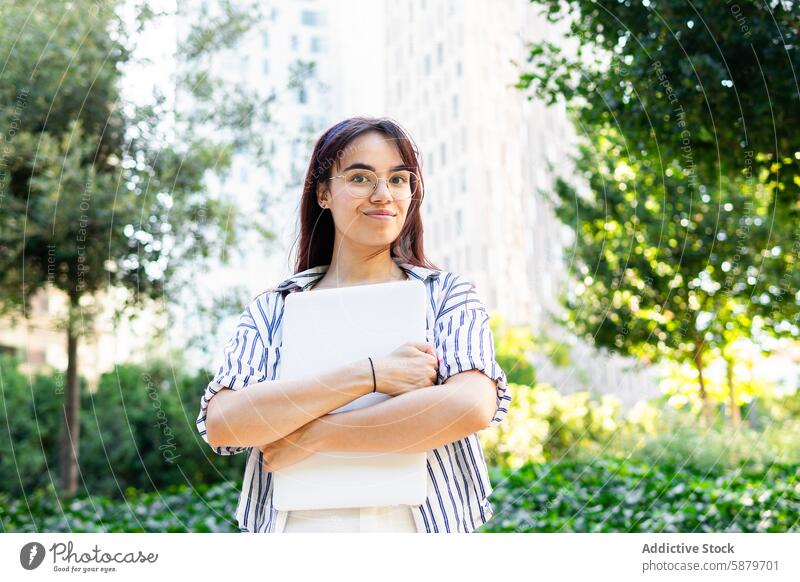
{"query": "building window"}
(459, 226)
(455, 105)
(265, 39)
(295, 42)
(442, 153)
(458, 68)
(265, 66)
(301, 95)
(317, 44)
(309, 18)
(439, 54)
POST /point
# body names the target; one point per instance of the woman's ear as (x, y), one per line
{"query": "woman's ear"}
(323, 195)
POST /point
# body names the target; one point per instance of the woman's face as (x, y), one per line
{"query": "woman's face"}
(377, 152)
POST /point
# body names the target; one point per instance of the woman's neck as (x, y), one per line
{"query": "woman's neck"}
(348, 269)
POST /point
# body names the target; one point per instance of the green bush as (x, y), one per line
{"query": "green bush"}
(605, 495)
(609, 495)
(30, 419)
(137, 430)
(178, 508)
(676, 439)
(543, 425)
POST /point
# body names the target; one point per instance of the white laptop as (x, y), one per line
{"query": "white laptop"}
(325, 329)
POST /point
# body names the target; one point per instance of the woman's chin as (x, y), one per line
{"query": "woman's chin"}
(373, 240)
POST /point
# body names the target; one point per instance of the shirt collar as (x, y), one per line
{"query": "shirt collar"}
(307, 278)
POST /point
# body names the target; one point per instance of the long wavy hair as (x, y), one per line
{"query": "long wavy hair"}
(317, 231)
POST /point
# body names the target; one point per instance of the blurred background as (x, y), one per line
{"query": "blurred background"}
(620, 180)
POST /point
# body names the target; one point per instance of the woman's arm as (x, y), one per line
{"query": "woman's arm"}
(417, 421)
(270, 410)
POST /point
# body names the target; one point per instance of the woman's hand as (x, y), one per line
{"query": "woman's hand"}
(288, 450)
(411, 366)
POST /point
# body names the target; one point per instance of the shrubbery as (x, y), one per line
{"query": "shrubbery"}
(604, 495)
(137, 430)
(177, 508)
(544, 425)
(611, 495)
(559, 462)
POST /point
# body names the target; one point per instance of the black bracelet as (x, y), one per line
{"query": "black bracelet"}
(373, 373)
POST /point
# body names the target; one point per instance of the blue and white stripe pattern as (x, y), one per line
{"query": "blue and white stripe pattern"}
(458, 327)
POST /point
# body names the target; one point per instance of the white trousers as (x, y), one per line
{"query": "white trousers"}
(398, 519)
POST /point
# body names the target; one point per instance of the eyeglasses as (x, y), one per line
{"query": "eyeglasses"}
(403, 184)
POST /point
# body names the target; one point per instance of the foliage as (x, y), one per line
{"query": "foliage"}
(138, 430)
(714, 73)
(680, 378)
(100, 194)
(604, 495)
(175, 509)
(544, 425)
(674, 438)
(610, 495)
(684, 240)
(513, 350)
(104, 198)
(29, 414)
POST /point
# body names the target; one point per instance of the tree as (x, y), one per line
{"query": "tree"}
(684, 239)
(727, 70)
(655, 267)
(98, 193)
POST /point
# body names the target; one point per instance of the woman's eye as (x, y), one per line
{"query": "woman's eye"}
(398, 179)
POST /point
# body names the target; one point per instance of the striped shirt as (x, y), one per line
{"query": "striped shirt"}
(457, 326)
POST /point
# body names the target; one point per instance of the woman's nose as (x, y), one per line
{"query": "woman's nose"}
(382, 189)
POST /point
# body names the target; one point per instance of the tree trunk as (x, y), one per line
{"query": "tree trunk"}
(734, 414)
(70, 437)
(698, 362)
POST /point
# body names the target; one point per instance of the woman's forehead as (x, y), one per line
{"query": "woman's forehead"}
(372, 148)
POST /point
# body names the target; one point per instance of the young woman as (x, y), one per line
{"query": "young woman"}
(361, 224)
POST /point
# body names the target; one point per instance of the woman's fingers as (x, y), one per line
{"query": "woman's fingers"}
(425, 347)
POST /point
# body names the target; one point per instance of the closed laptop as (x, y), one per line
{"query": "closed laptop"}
(323, 330)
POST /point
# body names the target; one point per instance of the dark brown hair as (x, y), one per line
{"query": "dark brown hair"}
(316, 224)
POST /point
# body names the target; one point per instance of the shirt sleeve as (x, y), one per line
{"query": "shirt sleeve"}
(464, 341)
(244, 361)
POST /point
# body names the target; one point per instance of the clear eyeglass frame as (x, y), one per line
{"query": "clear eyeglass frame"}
(363, 190)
